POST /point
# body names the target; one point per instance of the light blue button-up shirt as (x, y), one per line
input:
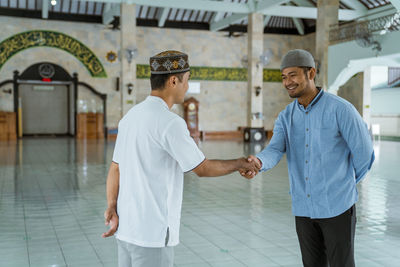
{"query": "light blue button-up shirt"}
(329, 150)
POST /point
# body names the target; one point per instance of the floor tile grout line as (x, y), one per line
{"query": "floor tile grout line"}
(232, 238)
(26, 230)
(51, 220)
(205, 237)
(80, 226)
(198, 255)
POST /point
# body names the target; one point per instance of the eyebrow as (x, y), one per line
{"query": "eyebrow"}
(290, 73)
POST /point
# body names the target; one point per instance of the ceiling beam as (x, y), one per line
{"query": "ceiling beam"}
(379, 12)
(396, 4)
(226, 22)
(308, 12)
(206, 5)
(304, 3)
(110, 11)
(355, 4)
(266, 20)
(258, 7)
(266, 4)
(253, 3)
(163, 16)
(299, 25)
(298, 22)
(218, 15)
(45, 9)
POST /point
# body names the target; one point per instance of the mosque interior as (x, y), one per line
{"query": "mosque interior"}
(71, 69)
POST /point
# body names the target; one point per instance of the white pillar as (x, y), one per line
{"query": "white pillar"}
(128, 64)
(366, 108)
(255, 48)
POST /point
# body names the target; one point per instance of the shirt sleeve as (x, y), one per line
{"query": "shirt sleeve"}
(181, 146)
(118, 147)
(355, 132)
(273, 153)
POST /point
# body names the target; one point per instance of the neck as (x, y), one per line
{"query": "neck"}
(164, 96)
(307, 98)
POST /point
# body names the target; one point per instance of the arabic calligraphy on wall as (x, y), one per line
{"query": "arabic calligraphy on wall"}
(216, 74)
(21, 41)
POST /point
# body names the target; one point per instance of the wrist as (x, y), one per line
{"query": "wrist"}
(112, 206)
(239, 163)
(259, 162)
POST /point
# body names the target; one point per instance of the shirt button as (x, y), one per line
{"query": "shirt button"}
(306, 178)
(307, 145)
(306, 161)
(307, 112)
(308, 195)
(307, 129)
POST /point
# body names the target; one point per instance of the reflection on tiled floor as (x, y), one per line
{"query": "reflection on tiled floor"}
(52, 198)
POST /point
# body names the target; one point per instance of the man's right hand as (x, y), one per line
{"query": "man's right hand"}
(251, 167)
(250, 173)
(111, 220)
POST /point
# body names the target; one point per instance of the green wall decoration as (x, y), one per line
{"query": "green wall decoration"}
(24, 40)
(216, 74)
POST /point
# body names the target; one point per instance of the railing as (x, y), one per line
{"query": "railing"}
(340, 33)
(394, 76)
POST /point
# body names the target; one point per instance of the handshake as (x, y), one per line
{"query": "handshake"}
(249, 167)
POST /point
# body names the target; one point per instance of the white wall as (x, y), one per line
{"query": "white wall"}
(385, 101)
(385, 109)
(347, 59)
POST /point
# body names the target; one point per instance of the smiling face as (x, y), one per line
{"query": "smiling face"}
(297, 82)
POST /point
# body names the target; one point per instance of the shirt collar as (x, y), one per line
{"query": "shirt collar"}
(158, 100)
(314, 101)
(318, 97)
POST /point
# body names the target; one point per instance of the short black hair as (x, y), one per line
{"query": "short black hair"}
(306, 70)
(158, 81)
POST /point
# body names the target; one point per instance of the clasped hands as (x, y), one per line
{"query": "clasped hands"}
(250, 167)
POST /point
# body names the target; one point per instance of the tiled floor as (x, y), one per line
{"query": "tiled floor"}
(52, 198)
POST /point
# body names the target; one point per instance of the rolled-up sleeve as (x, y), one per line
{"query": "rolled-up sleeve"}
(355, 132)
(273, 153)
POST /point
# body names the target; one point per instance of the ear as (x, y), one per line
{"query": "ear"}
(312, 74)
(172, 81)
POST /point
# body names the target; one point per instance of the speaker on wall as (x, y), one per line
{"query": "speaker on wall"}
(254, 135)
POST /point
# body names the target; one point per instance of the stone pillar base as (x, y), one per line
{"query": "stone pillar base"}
(253, 134)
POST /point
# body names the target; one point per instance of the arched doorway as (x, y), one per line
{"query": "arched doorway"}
(46, 100)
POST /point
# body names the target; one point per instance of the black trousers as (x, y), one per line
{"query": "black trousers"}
(327, 242)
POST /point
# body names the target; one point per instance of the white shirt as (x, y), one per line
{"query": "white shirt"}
(153, 150)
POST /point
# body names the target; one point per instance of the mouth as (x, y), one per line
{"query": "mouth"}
(291, 88)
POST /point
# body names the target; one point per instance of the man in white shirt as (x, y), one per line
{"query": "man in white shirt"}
(145, 180)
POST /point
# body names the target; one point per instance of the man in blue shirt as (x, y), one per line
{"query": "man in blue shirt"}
(329, 150)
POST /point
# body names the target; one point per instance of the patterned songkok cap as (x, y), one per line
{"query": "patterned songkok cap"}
(169, 62)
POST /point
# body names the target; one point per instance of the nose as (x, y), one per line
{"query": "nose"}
(287, 82)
